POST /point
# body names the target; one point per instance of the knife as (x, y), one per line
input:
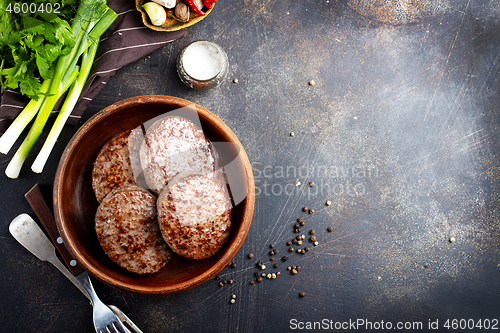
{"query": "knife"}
(25, 230)
(43, 212)
(41, 208)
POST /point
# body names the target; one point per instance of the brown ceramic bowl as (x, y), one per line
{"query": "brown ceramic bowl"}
(75, 203)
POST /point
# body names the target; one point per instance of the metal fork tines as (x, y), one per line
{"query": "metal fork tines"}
(105, 320)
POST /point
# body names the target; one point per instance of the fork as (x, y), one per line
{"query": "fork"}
(105, 320)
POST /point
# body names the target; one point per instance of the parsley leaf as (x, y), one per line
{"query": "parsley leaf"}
(30, 43)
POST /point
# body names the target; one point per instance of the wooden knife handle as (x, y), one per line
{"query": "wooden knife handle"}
(44, 213)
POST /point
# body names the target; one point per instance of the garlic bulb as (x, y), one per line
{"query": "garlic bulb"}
(166, 3)
(200, 3)
(156, 13)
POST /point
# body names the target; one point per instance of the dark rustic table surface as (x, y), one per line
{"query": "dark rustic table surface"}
(400, 132)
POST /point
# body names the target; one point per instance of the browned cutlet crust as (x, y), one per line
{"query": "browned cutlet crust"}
(112, 167)
(173, 145)
(194, 214)
(127, 228)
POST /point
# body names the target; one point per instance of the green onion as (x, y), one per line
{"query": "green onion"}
(92, 19)
(15, 164)
(66, 109)
(22, 120)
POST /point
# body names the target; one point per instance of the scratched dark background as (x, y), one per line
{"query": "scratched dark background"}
(400, 132)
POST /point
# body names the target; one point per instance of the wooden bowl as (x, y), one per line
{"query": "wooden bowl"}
(75, 203)
(170, 23)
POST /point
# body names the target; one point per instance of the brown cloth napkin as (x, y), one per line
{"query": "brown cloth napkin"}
(126, 40)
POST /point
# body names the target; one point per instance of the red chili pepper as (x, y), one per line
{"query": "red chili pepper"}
(207, 4)
(195, 7)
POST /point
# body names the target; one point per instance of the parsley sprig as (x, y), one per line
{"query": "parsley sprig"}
(31, 41)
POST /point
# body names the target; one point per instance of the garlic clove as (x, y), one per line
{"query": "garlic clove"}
(156, 13)
(166, 3)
